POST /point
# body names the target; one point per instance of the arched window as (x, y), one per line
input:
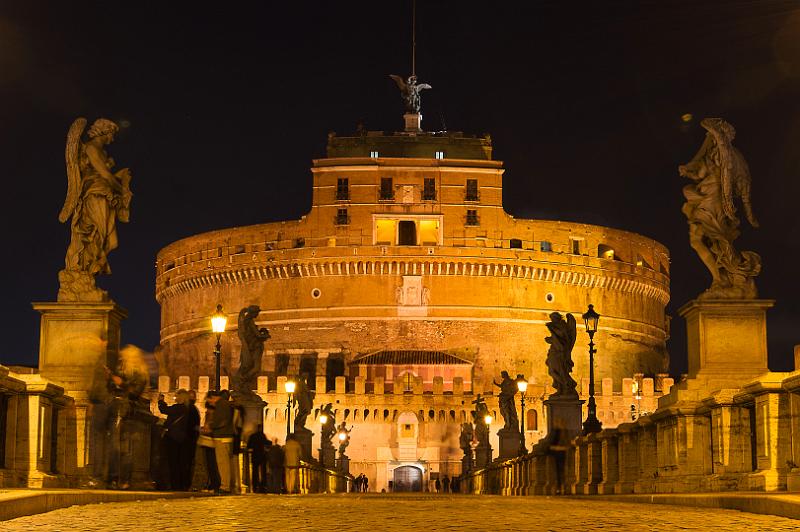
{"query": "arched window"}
(532, 420)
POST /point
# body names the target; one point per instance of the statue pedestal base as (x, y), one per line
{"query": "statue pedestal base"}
(76, 340)
(304, 437)
(564, 420)
(343, 464)
(466, 464)
(253, 413)
(413, 122)
(327, 457)
(726, 339)
(483, 456)
(509, 443)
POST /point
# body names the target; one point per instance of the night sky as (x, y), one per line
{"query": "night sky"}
(226, 107)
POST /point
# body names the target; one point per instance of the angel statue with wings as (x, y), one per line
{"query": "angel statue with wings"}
(720, 174)
(96, 198)
(409, 92)
(559, 356)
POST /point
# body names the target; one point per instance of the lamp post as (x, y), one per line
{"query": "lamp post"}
(592, 424)
(218, 323)
(289, 387)
(522, 386)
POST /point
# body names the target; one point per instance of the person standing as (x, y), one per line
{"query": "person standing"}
(176, 432)
(438, 485)
(292, 452)
(365, 483)
(275, 462)
(258, 444)
(222, 432)
(206, 443)
(446, 484)
(189, 451)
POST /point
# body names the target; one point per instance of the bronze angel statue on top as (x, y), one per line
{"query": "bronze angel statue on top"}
(409, 92)
(720, 175)
(96, 198)
(559, 357)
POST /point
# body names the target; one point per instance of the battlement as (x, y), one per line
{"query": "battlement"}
(453, 404)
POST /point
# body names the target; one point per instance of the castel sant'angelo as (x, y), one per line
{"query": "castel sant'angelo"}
(406, 290)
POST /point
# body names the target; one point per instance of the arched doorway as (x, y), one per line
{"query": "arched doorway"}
(407, 478)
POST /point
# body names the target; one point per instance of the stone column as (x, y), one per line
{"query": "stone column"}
(610, 461)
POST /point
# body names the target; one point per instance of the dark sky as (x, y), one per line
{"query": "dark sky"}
(228, 105)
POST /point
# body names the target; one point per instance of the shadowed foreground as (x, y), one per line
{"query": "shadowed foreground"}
(376, 512)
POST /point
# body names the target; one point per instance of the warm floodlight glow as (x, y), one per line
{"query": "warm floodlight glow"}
(323, 419)
(289, 386)
(219, 321)
(487, 419)
(522, 385)
(342, 436)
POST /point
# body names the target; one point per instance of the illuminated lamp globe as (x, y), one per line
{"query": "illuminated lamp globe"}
(590, 318)
(219, 321)
(522, 384)
(323, 419)
(289, 386)
(487, 419)
(342, 436)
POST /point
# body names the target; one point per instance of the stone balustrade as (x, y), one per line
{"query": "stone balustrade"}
(733, 439)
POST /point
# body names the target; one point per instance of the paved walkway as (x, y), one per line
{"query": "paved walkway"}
(389, 513)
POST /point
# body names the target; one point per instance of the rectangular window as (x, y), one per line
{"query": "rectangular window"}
(341, 217)
(576, 246)
(387, 189)
(472, 217)
(544, 245)
(342, 189)
(515, 243)
(472, 190)
(429, 189)
(373, 154)
(439, 155)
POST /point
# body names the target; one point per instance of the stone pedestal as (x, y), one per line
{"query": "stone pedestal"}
(344, 464)
(727, 339)
(253, 413)
(509, 443)
(76, 340)
(413, 122)
(563, 420)
(304, 437)
(327, 457)
(466, 463)
(483, 456)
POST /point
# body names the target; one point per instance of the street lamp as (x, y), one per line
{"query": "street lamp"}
(289, 387)
(522, 386)
(487, 419)
(218, 322)
(592, 424)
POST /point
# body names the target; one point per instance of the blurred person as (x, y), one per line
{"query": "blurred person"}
(176, 433)
(275, 462)
(446, 484)
(292, 452)
(258, 445)
(190, 447)
(222, 432)
(206, 444)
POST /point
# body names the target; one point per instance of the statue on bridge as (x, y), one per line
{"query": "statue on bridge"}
(252, 339)
(720, 174)
(508, 408)
(304, 399)
(96, 199)
(559, 357)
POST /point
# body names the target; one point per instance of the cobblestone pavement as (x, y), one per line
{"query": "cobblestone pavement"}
(381, 512)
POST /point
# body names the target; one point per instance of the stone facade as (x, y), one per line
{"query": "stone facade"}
(404, 250)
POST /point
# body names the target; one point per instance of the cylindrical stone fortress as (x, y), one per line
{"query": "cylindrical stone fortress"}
(407, 248)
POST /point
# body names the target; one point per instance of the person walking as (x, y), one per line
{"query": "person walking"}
(438, 485)
(357, 482)
(275, 462)
(446, 484)
(258, 445)
(222, 432)
(176, 432)
(206, 443)
(365, 483)
(291, 462)
(189, 451)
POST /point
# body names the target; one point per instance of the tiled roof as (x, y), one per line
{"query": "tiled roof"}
(411, 357)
